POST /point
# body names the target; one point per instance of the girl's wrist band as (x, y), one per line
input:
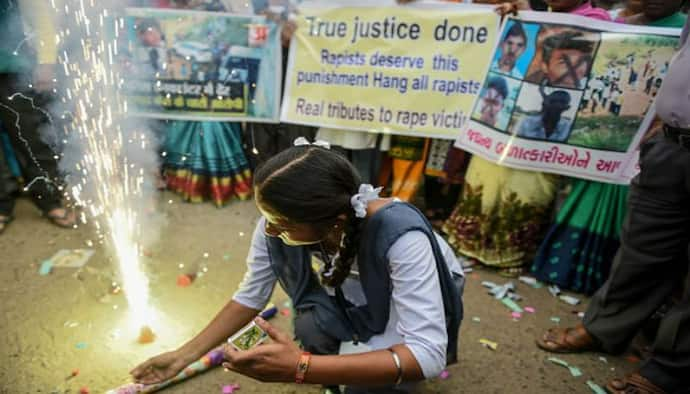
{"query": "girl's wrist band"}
(398, 365)
(302, 367)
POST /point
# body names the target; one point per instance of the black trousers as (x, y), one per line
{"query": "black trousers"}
(650, 264)
(27, 127)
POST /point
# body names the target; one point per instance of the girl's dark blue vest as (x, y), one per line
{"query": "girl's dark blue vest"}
(344, 321)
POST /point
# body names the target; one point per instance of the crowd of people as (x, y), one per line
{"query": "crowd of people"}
(397, 304)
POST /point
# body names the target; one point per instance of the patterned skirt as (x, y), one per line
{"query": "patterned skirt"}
(205, 161)
(501, 215)
(579, 247)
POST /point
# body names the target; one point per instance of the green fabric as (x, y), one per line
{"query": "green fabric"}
(676, 20)
(597, 207)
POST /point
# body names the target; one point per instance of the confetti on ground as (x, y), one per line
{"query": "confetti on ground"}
(529, 309)
(476, 319)
(81, 345)
(84, 390)
(71, 258)
(444, 374)
(554, 290)
(512, 305)
(46, 267)
(285, 312)
(75, 372)
(569, 300)
(230, 388)
(528, 280)
(516, 315)
(226, 257)
(184, 280)
(489, 344)
(556, 319)
(595, 387)
(573, 370)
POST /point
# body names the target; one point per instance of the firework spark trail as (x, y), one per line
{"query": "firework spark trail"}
(17, 124)
(26, 38)
(31, 100)
(110, 181)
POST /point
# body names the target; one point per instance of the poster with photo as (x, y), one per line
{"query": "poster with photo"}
(569, 95)
(201, 65)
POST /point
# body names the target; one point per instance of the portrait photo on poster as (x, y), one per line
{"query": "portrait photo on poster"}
(515, 49)
(563, 56)
(544, 113)
(496, 101)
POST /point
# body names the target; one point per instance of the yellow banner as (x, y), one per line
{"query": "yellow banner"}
(404, 70)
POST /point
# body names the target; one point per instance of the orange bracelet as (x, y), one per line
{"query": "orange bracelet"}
(302, 367)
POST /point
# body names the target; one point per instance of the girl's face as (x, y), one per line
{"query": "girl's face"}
(291, 233)
(563, 5)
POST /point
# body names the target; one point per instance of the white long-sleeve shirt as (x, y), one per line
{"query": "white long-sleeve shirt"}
(416, 313)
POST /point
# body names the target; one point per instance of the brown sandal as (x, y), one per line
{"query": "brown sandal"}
(633, 384)
(568, 340)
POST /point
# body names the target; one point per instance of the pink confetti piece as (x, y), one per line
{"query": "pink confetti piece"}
(444, 374)
(529, 309)
(516, 315)
(230, 388)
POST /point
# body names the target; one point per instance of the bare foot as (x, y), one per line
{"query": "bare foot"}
(62, 217)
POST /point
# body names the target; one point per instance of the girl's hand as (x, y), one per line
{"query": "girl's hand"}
(159, 368)
(273, 362)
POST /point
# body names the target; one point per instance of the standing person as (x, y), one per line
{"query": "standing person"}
(204, 160)
(400, 312)
(587, 227)
(653, 256)
(502, 211)
(26, 80)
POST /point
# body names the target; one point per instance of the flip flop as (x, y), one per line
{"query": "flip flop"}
(4, 221)
(58, 219)
(567, 340)
(633, 384)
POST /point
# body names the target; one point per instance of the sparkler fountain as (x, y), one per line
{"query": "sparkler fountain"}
(114, 155)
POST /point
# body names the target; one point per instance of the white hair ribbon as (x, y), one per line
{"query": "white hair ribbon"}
(360, 200)
(301, 141)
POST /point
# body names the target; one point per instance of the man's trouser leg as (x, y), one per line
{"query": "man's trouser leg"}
(653, 251)
(651, 259)
(24, 122)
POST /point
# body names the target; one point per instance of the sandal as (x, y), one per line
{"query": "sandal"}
(4, 221)
(633, 384)
(60, 220)
(568, 340)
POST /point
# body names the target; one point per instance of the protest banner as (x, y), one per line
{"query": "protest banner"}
(411, 70)
(569, 95)
(198, 65)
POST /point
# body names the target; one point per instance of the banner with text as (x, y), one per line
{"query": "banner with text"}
(198, 65)
(569, 95)
(411, 70)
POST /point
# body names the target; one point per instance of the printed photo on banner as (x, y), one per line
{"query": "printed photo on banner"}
(569, 95)
(201, 65)
(496, 101)
(409, 70)
(545, 113)
(623, 83)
